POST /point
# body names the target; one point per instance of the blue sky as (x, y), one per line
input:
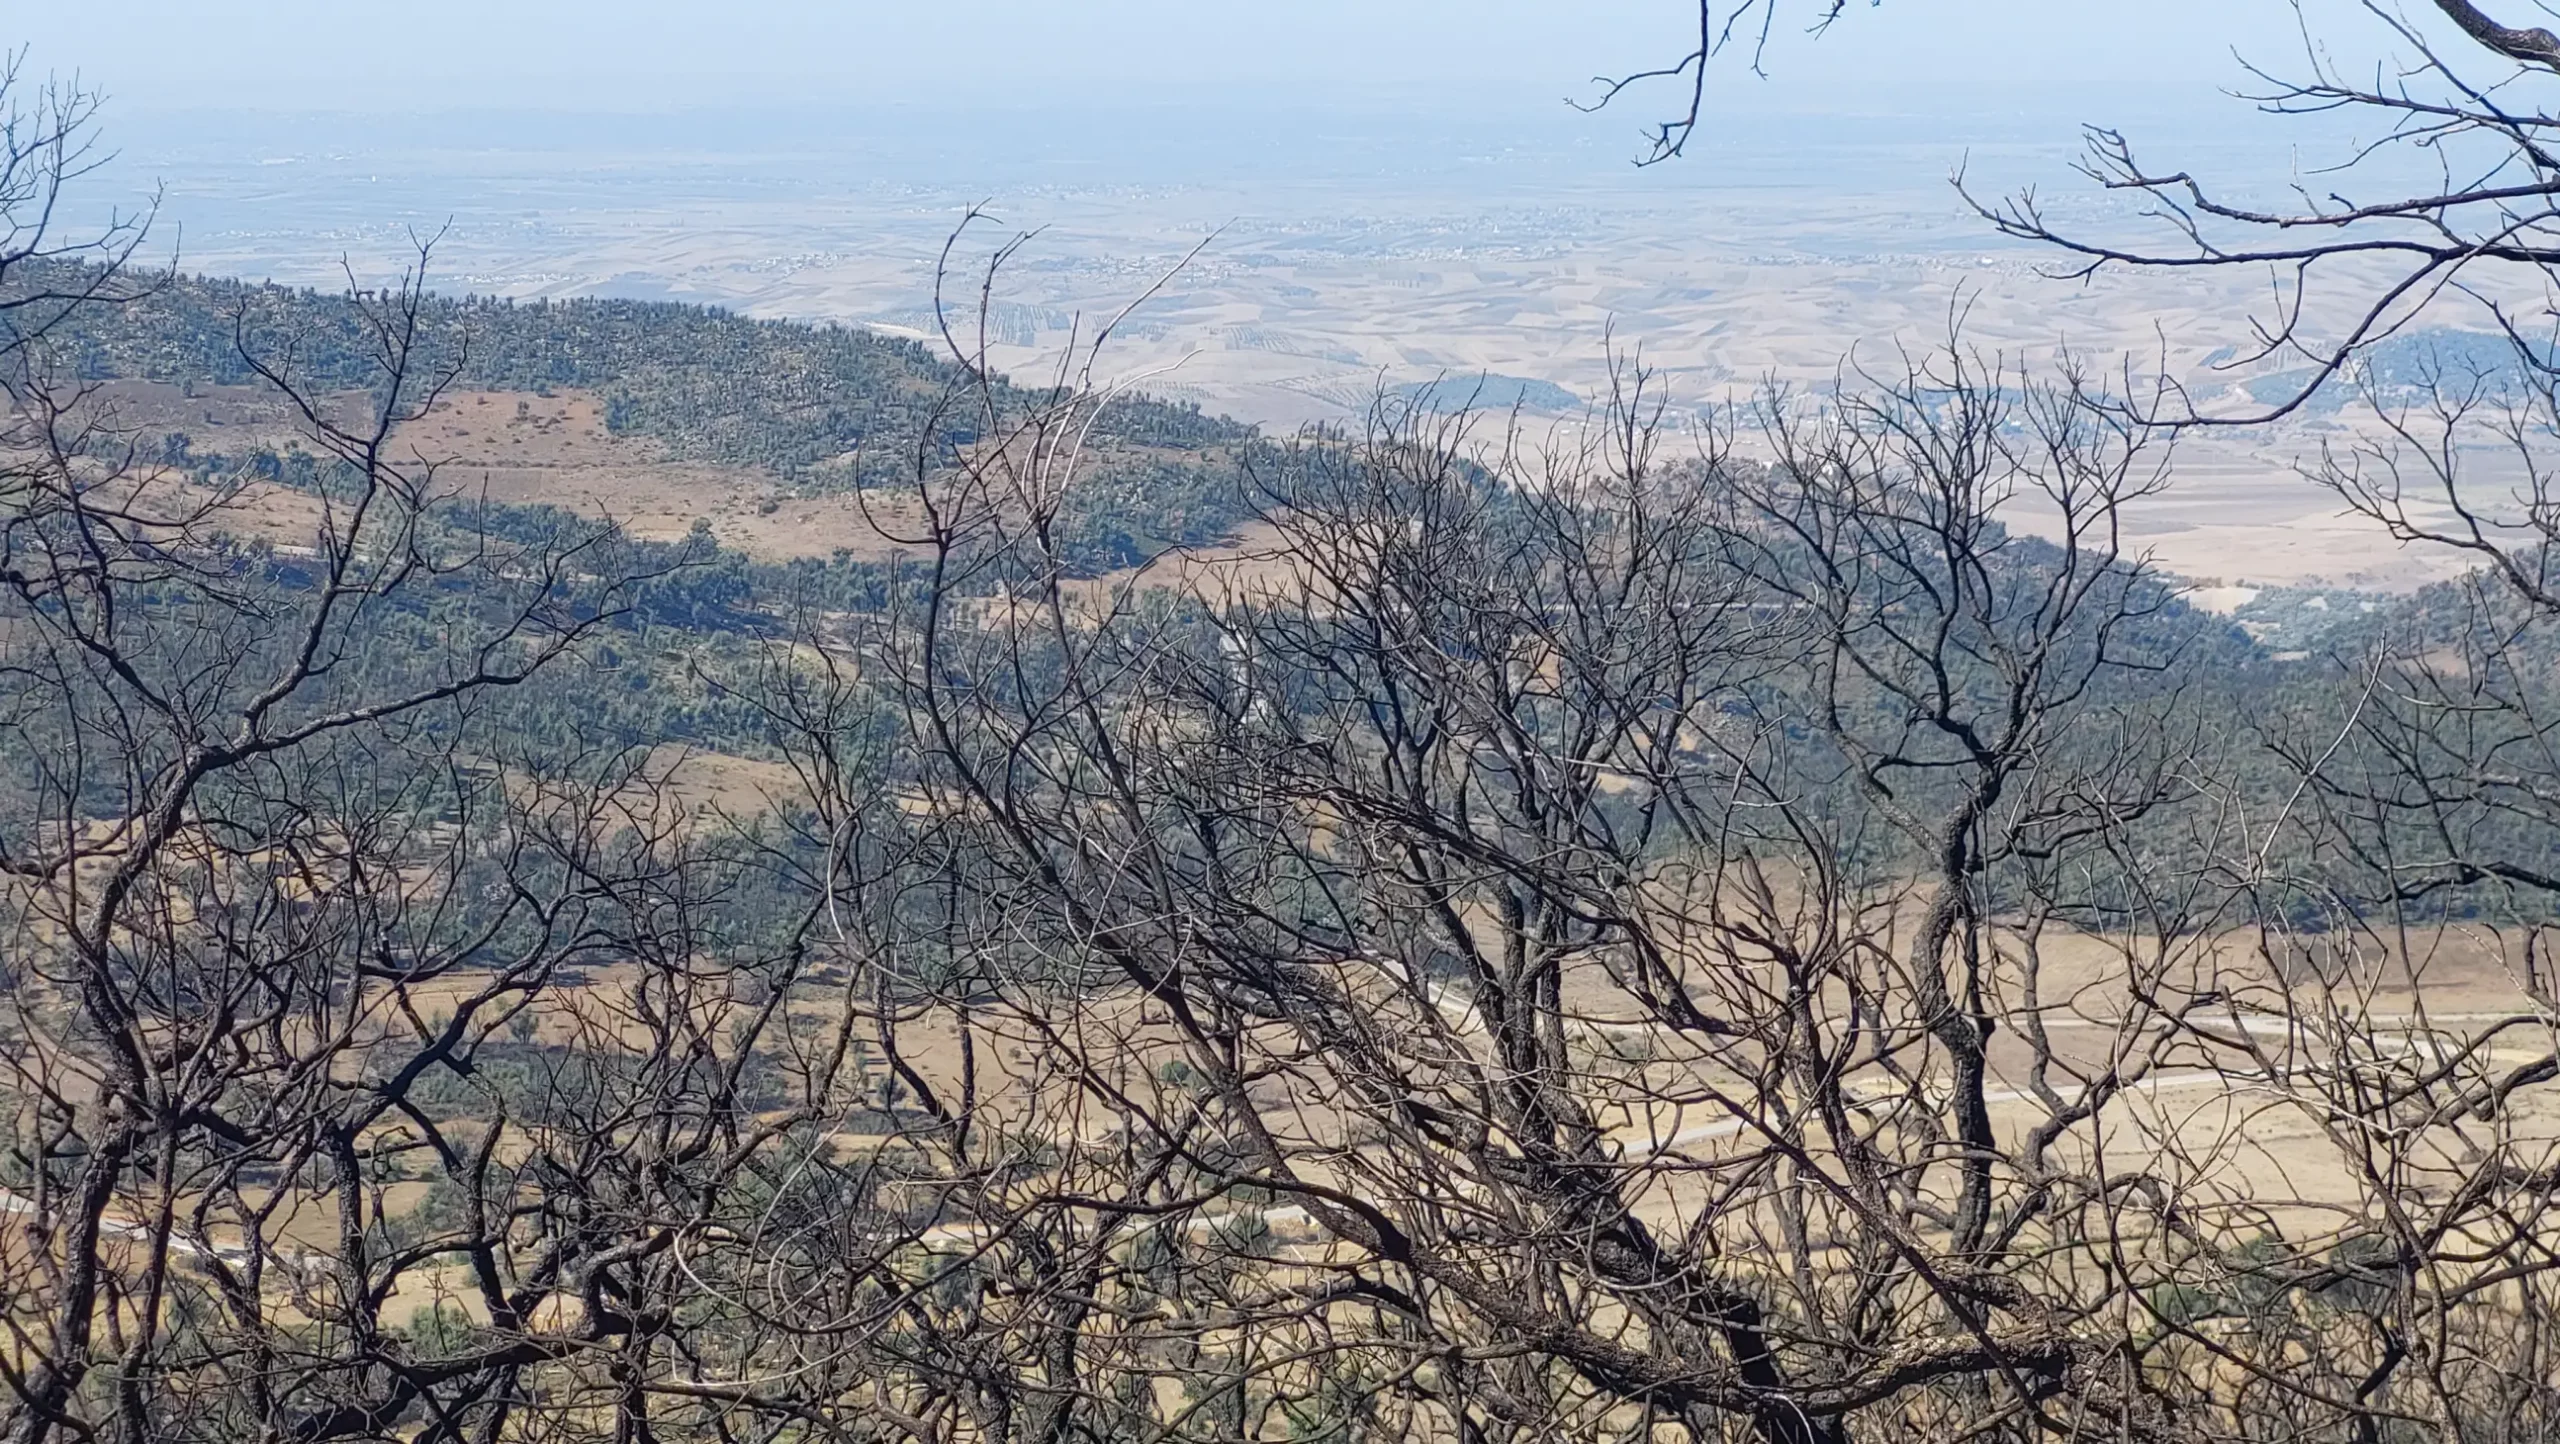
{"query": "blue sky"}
(623, 55)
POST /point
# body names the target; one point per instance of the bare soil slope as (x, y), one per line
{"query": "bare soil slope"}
(529, 449)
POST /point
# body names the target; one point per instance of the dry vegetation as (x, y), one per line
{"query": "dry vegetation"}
(527, 449)
(1585, 945)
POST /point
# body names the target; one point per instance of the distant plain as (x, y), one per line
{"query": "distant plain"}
(1336, 256)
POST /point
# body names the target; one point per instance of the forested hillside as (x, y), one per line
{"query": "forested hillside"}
(827, 408)
(710, 384)
(800, 400)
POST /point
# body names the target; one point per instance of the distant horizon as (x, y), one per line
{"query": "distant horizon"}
(652, 56)
(1246, 140)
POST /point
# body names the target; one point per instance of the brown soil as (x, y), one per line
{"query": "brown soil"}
(521, 449)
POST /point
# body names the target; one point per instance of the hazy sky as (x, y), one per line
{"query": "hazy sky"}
(674, 54)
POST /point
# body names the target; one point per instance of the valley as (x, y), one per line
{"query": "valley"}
(1299, 301)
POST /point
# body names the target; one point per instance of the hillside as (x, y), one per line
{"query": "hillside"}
(788, 410)
(695, 884)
